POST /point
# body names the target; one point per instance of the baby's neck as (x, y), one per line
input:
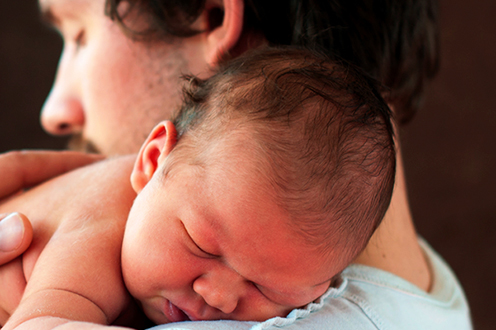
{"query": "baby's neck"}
(394, 246)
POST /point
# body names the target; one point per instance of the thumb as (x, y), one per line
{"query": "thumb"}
(16, 234)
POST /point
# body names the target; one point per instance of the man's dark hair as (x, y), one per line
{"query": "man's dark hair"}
(322, 132)
(394, 41)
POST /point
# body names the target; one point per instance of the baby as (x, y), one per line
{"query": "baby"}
(270, 180)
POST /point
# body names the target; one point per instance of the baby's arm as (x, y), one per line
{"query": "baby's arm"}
(77, 275)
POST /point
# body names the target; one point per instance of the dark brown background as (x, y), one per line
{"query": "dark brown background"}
(449, 148)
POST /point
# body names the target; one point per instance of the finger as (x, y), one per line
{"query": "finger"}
(16, 234)
(23, 169)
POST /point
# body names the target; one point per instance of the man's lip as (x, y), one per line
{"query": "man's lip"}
(174, 313)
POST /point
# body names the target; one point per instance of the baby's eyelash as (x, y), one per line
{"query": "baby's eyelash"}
(259, 290)
(210, 255)
(204, 253)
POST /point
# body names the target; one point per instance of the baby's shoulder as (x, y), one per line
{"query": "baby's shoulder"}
(92, 201)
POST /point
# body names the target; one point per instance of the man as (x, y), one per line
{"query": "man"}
(112, 110)
(119, 75)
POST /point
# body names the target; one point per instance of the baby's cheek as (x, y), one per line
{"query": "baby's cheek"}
(298, 297)
(257, 307)
(131, 267)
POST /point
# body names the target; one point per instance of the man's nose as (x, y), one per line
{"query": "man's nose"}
(221, 288)
(62, 113)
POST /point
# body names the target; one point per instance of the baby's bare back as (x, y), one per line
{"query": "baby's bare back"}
(81, 213)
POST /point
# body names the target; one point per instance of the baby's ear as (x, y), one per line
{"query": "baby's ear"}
(157, 146)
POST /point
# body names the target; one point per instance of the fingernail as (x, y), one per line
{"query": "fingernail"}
(11, 232)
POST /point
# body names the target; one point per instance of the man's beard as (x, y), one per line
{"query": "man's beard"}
(78, 143)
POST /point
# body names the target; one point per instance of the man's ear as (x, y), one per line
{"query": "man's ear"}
(157, 146)
(225, 26)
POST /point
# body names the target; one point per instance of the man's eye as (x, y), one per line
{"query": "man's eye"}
(80, 39)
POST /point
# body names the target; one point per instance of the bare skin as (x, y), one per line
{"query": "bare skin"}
(394, 246)
(65, 231)
(24, 169)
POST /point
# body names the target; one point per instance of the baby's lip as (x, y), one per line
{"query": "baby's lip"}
(174, 313)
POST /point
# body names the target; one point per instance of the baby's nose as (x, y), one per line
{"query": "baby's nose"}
(221, 289)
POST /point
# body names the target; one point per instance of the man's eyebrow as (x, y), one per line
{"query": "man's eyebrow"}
(48, 17)
(52, 12)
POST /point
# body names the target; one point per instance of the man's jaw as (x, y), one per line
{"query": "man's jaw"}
(79, 143)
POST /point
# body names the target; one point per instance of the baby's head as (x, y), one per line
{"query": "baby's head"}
(271, 179)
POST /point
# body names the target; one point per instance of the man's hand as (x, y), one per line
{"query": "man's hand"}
(16, 234)
(27, 168)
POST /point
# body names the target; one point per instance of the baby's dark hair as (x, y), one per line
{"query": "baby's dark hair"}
(323, 129)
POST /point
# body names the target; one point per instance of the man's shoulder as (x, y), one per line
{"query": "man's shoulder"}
(391, 302)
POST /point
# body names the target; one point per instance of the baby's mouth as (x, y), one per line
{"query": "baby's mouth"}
(174, 314)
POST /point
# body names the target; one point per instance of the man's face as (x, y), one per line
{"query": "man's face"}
(209, 243)
(110, 90)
